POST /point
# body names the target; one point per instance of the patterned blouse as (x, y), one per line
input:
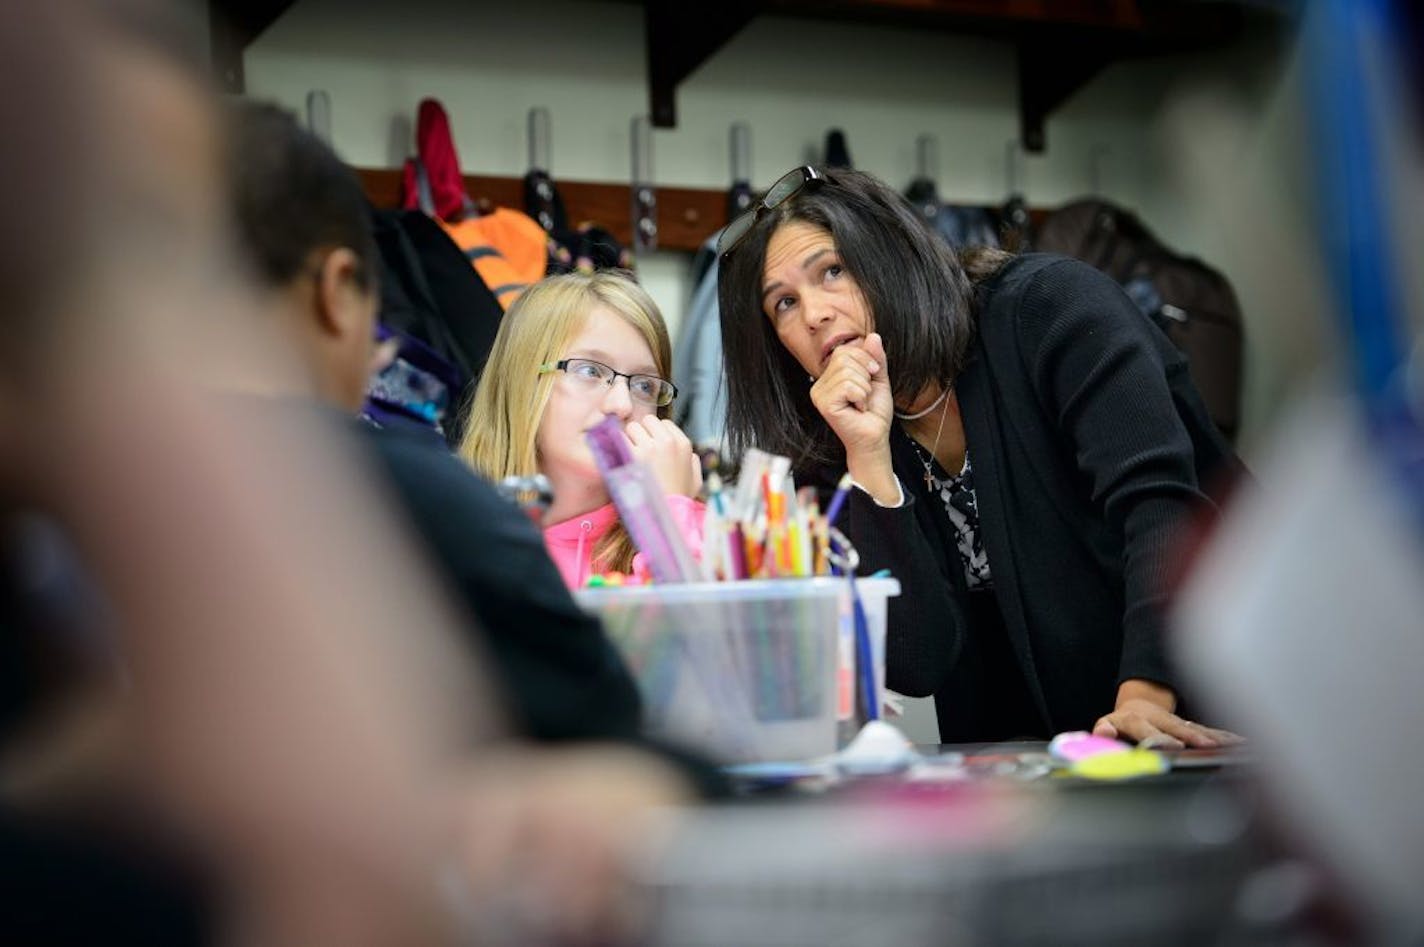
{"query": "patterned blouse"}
(956, 492)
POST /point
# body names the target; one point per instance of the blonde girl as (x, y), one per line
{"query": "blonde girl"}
(572, 350)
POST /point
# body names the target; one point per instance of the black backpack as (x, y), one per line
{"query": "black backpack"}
(1190, 301)
(430, 293)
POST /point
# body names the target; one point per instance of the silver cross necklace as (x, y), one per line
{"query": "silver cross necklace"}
(928, 463)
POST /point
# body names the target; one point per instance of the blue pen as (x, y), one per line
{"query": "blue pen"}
(714, 493)
(833, 509)
(864, 658)
(838, 499)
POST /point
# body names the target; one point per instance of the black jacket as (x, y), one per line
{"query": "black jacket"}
(1089, 446)
(562, 678)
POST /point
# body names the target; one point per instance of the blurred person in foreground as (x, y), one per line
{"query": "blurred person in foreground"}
(252, 691)
(298, 710)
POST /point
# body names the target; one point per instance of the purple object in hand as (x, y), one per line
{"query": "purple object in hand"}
(609, 445)
(640, 503)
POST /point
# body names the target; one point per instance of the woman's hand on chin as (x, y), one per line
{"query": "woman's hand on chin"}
(853, 395)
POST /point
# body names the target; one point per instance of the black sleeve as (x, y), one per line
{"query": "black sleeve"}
(1099, 374)
(924, 624)
(562, 678)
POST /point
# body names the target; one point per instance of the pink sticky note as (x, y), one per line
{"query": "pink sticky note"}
(1081, 745)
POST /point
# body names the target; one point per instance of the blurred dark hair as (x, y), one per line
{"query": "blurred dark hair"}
(291, 195)
(56, 171)
(919, 294)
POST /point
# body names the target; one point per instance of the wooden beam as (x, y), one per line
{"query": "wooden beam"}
(232, 27)
(1049, 73)
(679, 40)
(979, 16)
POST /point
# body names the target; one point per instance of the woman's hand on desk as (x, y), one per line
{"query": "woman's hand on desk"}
(1144, 714)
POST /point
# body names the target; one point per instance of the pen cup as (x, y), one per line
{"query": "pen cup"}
(743, 671)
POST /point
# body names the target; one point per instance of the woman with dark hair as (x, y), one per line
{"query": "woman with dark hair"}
(1025, 447)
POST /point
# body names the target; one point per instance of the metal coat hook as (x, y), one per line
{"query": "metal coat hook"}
(319, 115)
(539, 139)
(741, 140)
(1096, 159)
(1014, 218)
(1013, 167)
(739, 198)
(645, 198)
(922, 191)
(926, 157)
(539, 196)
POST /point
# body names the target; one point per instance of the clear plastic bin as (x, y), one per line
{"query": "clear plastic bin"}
(748, 671)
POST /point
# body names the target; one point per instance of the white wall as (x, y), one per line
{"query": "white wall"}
(790, 80)
(1204, 146)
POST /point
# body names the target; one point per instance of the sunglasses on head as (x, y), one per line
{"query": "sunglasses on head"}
(786, 187)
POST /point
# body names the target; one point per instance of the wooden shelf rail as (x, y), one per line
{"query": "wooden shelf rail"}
(687, 216)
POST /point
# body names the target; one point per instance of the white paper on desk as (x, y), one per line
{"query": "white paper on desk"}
(1305, 623)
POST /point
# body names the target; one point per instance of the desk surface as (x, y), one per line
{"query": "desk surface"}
(1181, 761)
(1016, 762)
(1003, 852)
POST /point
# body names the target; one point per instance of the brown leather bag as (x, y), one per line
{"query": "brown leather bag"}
(1189, 300)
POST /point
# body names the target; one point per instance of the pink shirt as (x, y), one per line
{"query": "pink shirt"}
(571, 542)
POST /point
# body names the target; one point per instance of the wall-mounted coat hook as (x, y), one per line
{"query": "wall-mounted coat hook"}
(645, 198)
(927, 158)
(319, 115)
(539, 139)
(739, 197)
(541, 199)
(1013, 168)
(922, 191)
(1015, 221)
(1097, 159)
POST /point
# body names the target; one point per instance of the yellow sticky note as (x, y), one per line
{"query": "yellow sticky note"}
(1124, 764)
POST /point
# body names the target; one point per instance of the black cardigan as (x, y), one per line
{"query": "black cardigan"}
(1088, 443)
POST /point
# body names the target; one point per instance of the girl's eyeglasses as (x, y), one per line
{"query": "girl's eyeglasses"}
(649, 389)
